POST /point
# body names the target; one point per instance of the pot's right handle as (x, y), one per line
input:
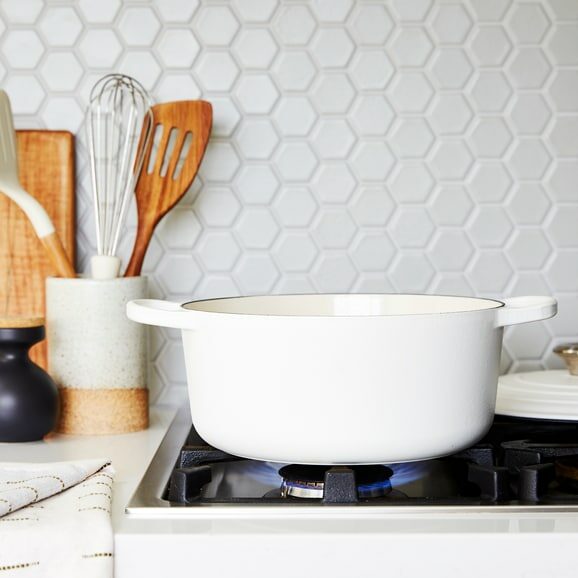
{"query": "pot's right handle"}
(525, 309)
(158, 312)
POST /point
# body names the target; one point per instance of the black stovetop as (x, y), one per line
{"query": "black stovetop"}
(520, 461)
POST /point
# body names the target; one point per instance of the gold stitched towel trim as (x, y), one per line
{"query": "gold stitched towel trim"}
(95, 494)
(17, 566)
(99, 555)
(38, 478)
(94, 508)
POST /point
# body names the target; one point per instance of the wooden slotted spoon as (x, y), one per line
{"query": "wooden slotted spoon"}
(180, 135)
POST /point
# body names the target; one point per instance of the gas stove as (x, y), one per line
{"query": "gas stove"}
(520, 465)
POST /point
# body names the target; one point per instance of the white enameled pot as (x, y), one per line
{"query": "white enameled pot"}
(342, 379)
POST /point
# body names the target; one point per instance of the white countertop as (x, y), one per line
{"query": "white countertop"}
(522, 544)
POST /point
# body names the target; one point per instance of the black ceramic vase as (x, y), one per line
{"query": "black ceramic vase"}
(28, 396)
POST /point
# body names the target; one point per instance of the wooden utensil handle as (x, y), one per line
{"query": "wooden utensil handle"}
(58, 256)
(141, 243)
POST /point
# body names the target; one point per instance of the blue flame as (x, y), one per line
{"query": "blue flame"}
(408, 472)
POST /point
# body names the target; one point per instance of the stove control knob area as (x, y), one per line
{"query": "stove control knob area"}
(186, 484)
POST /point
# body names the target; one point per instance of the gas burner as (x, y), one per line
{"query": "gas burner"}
(567, 473)
(300, 481)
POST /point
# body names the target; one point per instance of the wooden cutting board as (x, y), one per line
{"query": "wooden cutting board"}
(46, 166)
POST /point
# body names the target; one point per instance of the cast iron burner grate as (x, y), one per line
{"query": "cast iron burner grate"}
(518, 462)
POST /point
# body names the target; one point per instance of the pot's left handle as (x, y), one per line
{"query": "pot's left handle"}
(157, 312)
(525, 309)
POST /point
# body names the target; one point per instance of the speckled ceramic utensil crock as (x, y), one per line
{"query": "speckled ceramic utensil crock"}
(96, 355)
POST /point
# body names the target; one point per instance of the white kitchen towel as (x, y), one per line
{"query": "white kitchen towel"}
(55, 520)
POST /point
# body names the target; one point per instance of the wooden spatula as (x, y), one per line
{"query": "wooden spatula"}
(180, 134)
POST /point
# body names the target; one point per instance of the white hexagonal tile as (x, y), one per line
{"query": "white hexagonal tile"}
(564, 9)
(371, 115)
(451, 205)
(26, 94)
(561, 273)
(450, 23)
(295, 25)
(333, 94)
(333, 139)
(177, 48)
(142, 65)
(171, 362)
(22, 49)
(530, 113)
(180, 229)
(529, 283)
(372, 207)
(257, 139)
(450, 250)
(490, 91)
(527, 341)
(490, 138)
(410, 92)
(563, 90)
(490, 10)
(60, 26)
(295, 252)
(331, 11)
(257, 94)
(176, 10)
(562, 181)
(334, 183)
(256, 10)
(334, 274)
(528, 249)
(138, 26)
(411, 182)
(179, 274)
(63, 114)
(566, 321)
(217, 206)
(294, 285)
(218, 251)
(179, 86)
(217, 286)
(257, 228)
(371, 70)
(411, 10)
(215, 26)
(490, 227)
(528, 23)
(372, 252)
(294, 71)
(372, 161)
(563, 136)
(490, 46)
(411, 227)
(61, 71)
(217, 71)
(295, 207)
(489, 182)
(451, 160)
(490, 272)
(529, 159)
(295, 116)
(451, 284)
(332, 48)
(91, 48)
(411, 272)
(529, 68)
(226, 117)
(334, 229)
(19, 12)
(410, 46)
(562, 227)
(257, 184)
(257, 274)
(411, 138)
(255, 48)
(450, 68)
(296, 161)
(563, 44)
(100, 12)
(529, 204)
(220, 162)
(370, 24)
(450, 114)
(373, 283)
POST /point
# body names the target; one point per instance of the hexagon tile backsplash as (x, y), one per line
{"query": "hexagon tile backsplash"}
(395, 145)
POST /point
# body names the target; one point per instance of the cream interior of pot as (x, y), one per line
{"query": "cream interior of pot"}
(343, 305)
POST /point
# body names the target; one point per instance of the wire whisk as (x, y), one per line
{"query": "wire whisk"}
(119, 125)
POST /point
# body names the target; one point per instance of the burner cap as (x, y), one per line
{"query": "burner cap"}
(301, 481)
